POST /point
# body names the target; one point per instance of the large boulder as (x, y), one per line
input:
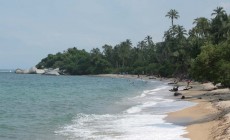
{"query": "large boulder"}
(177, 94)
(21, 71)
(54, 72)
(209, 86)
(27, 71)
(40, 71)
(33, 70)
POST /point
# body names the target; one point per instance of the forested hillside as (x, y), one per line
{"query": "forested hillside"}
(201, 53)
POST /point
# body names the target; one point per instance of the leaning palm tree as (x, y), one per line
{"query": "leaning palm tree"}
(172, 14)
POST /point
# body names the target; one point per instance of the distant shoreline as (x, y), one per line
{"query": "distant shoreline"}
(133, 76)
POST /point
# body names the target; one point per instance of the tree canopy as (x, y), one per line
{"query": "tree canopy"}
(172, 14)
(201, 53)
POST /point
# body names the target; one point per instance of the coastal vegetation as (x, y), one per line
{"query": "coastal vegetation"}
(201, 53)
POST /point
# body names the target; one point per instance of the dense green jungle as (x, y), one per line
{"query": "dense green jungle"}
(201, 53)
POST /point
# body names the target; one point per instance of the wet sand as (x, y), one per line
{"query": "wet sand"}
(209, 119)
(206, 120)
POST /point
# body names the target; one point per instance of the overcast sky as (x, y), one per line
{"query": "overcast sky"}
(32, 29)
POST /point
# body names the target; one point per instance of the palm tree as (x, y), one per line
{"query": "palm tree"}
(149, 40)
(172, 14)
(124, 51)
(217, 25)
(180, 32)
(219, 11)
(150, 45)
(202, 26)
(227, 28)
(175, 31)
(142, 46)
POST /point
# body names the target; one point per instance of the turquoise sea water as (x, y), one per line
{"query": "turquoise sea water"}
(42, 107)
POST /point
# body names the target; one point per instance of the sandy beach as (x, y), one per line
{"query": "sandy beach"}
(209, 119)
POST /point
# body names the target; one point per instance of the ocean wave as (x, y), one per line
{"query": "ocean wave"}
(121, 127)
(151, 92)
(144, 120)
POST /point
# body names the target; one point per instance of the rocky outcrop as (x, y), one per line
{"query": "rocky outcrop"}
(177, 94)
(209, 87)
(40, 71)
(34, 70)
(21, 71)
(54, 72)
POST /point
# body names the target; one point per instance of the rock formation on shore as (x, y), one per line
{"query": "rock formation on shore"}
(34, 70)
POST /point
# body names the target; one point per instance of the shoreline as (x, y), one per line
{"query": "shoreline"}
(130, 76)
(209, 119)
(199, 120)
(206, 120)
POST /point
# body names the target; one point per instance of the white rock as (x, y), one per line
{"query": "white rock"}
(32, 70)
(19, 71)
(40, 71)
(51, 72)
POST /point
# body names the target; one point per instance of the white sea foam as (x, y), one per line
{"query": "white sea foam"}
(122, 127)
(139, 122)
(151, 92)
(134, 109)
(139, 108)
